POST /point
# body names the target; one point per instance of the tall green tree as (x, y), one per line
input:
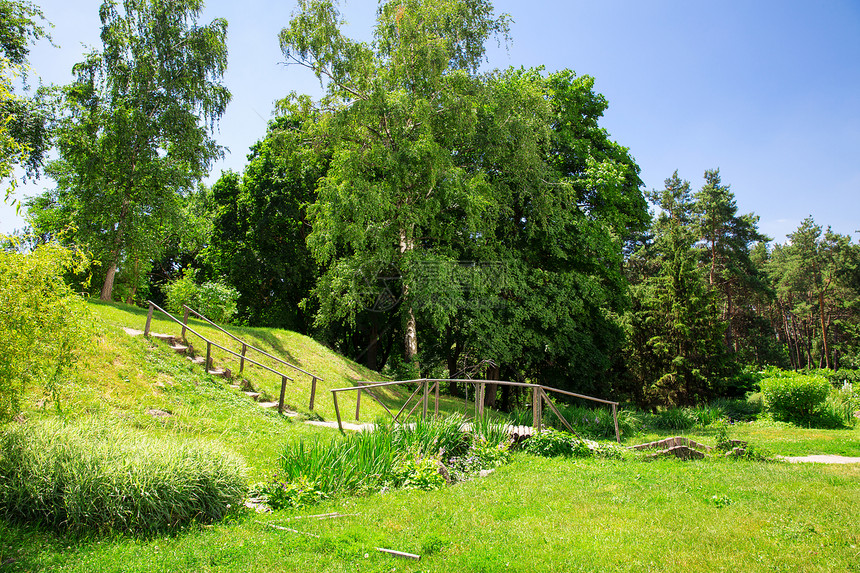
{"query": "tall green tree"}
(137, 128)
(815, 276)
(675, 351)
(402, 105)
(260, 227)
(725, 240)
(23, 120)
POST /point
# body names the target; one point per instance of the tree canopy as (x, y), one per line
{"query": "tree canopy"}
(136, 133)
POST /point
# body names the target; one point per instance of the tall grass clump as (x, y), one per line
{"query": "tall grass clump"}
(424, 455)
(91, 476)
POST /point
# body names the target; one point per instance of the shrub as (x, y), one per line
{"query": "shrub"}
(43, 324)
(794, 397)
(553, 443)
(91, 476)
(215, 300)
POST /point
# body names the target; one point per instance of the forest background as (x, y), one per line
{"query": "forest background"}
(425, 215)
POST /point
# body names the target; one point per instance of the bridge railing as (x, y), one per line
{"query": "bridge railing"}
(428, 386)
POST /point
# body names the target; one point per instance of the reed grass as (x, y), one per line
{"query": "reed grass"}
(91, 476)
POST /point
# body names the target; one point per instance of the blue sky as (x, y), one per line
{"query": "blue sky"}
(767, 91)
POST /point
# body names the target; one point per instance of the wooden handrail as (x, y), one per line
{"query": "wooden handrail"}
(210, 343)
(540, 396)
(250, 346)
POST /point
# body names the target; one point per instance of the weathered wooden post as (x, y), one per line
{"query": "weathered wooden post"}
(426, 395)
(337, 411)
(436, 410)
(281, 399)
(357, 404)
(242, 359)
(615, 418)
(208, 365)
(537, 411)
(184, 320)
(148, 319)
(313, 392)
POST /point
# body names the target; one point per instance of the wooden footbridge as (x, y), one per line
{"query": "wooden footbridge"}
(427, 387)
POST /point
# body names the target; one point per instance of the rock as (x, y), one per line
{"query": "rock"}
(156, 413)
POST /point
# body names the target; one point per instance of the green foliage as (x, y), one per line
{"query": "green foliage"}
(294, 494)
(675, 419)
(390, 456)
(844, 402)
(214, 300)
(136, 132)
(89, 476)
(43, 324)
(741, 410)
(258, 239)
(593, 422)
(24, 138)
(793, 396)
(552, 443)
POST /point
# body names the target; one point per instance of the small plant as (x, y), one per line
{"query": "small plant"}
(296, 494)
(552, 443)
(215, 300)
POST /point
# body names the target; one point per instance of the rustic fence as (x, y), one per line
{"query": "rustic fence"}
(427, 386)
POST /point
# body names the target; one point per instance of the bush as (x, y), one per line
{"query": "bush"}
(553, 443)
(43, 324)
(214, 300)
(794, 397)
(91, 476)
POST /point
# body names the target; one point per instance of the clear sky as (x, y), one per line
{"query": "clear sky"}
(767, 91)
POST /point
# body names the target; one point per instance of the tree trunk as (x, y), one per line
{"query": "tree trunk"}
(107, 287)
(491, 389)
(823, 330)
(410, 339)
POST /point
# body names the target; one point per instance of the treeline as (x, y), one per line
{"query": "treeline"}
(426, 218)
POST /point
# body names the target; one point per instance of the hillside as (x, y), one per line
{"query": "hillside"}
(141, 382)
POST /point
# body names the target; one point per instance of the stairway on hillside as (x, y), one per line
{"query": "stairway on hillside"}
(187, 350)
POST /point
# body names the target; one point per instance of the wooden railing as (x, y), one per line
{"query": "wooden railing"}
(539, 398)
(246, 347)
(209, 344)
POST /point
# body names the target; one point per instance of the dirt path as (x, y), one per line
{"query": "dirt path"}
(822, 459)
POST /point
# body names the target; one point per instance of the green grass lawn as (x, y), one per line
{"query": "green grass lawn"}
(533, 515)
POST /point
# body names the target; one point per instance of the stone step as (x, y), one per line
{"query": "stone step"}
(197, 359)
(179, 348)
(252, 395)
(217, 372)
(268, 404)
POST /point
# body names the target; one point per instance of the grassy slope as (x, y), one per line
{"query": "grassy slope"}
(534, 515)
